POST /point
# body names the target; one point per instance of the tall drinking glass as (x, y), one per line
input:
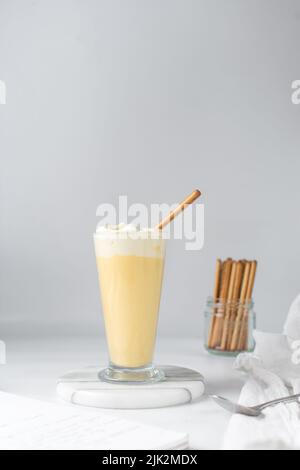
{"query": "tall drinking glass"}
(130, 265)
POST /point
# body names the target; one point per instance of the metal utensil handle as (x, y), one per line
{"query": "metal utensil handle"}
(288, 399)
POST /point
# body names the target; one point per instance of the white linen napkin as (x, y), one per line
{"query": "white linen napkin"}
(273, 371)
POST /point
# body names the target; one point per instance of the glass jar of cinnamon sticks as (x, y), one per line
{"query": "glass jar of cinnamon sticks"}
(229, 316)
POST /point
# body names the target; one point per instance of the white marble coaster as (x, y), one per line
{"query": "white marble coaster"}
(83, 387)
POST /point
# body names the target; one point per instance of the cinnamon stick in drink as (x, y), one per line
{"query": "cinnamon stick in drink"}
(180, 208)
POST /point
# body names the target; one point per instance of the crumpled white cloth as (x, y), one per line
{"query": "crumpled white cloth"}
(273, 371)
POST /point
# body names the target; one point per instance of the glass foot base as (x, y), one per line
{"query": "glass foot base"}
(221, 352)
(115, 374)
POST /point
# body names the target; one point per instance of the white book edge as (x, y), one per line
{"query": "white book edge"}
(26, 423)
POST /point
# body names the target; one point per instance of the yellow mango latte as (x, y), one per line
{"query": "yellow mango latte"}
(130, 265)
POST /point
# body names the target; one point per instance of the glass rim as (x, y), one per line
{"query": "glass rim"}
(221, 303)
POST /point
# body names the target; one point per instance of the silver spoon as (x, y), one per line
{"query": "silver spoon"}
(251, 410)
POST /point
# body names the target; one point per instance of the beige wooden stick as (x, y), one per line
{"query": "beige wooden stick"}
(187, 201)
(219, 320)
(228, 305)
(217, 280)
(215, 298)
(239, 280)
(225, 279)
(243, 339)
(235, 297)
(236, 332)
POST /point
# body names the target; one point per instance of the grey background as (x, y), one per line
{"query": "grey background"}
(148, 98)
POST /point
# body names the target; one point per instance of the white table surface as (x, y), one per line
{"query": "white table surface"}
(33, 366)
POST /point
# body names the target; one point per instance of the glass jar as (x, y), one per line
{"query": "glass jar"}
(229, 326)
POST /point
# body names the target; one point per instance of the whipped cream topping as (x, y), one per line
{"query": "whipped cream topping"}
(128, 239)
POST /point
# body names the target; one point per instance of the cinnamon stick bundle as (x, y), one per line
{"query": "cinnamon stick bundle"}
(234, 283)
